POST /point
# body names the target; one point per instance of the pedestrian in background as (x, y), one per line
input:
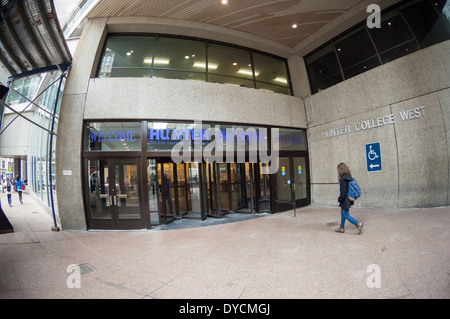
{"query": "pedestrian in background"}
(19, 188)
(8, 186)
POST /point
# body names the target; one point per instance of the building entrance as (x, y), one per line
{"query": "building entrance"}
(174, 191)
(130, 180)
(201, 190)
(291, 186)
(113, 188)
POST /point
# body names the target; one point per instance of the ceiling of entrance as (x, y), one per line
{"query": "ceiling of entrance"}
(287, 22)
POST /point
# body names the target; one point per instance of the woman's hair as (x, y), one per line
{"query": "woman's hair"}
(342, 169)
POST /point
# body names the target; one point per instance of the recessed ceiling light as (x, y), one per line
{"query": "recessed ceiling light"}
(186, 57)
(224, 1)
(234, 63)
(294, 26)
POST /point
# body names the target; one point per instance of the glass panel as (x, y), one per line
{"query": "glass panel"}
(99, 189)
(236, 196)
(272, 88)
(399, 51)
(428, 26)
(283, 180)
(229, 61)
(270, 70)
(180, 59)
(362, 67)
(182, 189)
(176, 74)
(231, 80)
(166, 182)
(246, 138)
(300, 177)
(264, 200)
(393, 33)
(127, 191)
(152, 191)
(225, 206)
(353, 49)
(113, 136)
(194, 184)
(292, 140)
(162, 136)
(212, 182)
(323, 68)
(127, 56)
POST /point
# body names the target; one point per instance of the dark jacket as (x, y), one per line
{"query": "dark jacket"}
(343, 200)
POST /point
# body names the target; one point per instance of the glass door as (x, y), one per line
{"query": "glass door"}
(167, 192)
(113, 199)
(193, 186)
(300, 179)
(291, 183)
(152, 191)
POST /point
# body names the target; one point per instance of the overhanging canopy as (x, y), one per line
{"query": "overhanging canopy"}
(31, 40)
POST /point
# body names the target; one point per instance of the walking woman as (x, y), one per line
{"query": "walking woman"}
(19, 188)
(345, 203)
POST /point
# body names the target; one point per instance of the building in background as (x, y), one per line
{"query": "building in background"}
(334, 88)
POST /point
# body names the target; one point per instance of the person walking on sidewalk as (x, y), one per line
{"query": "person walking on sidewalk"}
(8, 186)
(19, 188)
(345, 203)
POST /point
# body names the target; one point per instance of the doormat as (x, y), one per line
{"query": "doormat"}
(5, 225)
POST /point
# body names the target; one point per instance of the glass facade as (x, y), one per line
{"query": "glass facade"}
(134, 190)
(40, 159)
(405, 28)
(192, 59)
(21, 91)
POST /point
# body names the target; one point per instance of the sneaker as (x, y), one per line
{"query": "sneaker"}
(359, 226)
(340, 230)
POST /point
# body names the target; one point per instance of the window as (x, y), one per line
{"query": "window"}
(429, 26)
(323, 69)
(405, 28)
(292, 140)
(394, 39)
(24, 90)
(163, 136)
(230, 66)
(127, 56)
(272, 75)
(112, 136)
(186, 59)
(356, 53)
(179, 59)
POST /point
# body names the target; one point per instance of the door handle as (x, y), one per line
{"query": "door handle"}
(112, 200)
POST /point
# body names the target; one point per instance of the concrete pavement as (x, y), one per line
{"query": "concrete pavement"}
(400, 254)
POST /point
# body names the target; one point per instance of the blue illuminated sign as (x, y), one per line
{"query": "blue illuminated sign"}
(111, 136)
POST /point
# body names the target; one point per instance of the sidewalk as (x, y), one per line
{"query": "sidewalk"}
(274, 256)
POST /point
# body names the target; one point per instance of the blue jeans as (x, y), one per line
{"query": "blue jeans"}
(345, 214)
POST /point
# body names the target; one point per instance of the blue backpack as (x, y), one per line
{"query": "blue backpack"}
(354, 190)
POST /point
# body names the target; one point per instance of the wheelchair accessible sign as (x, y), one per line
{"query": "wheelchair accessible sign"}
(373, 157)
